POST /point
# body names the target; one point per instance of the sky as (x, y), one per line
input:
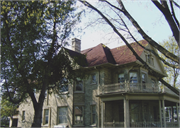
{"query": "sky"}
(144, 11)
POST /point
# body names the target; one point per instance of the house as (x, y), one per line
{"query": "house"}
(119, 91)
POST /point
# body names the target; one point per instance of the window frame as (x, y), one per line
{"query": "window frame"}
(132, 79)
(92, 80)
(58, 115)
(44, 116)
(149, 59)
(153, 84)
(64, 84)
(144, 82)
(23, 115)
(93, 118)
(120, 80)
(76, 83)
(82, 117)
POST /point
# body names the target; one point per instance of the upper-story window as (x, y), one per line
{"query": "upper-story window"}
(133, 77)
(64, 85)
(121, 78)
(153, 82)
(93, 78)
(144, 80)
(150, 59)
(79, 86)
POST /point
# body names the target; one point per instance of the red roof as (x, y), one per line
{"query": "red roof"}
(101, 54)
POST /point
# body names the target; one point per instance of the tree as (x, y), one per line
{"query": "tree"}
(172, 72)
(118, 24)
(33, 36)
(8, 110)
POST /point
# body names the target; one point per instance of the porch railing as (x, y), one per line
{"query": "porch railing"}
(113, 124)
(130, 87)
(172, 124)
(145, 124)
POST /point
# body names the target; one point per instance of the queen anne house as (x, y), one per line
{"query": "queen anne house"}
(119, 91)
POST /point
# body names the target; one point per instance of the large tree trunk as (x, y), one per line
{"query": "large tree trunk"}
(37, 116)
(38, 106)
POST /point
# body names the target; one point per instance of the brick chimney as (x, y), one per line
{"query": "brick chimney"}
(76, 45)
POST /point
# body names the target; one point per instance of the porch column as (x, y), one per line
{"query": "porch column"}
(164, 117)
(177, 109)
(172, 114)
(126, 113)
(160, 112)
(102, 114)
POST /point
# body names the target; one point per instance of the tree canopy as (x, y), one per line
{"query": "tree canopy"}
(33, 35)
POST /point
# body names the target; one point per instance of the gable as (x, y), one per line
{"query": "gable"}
(155, 63)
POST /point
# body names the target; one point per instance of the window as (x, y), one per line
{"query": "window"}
(62, 115)
(93, 114)
(149, 59)
(93, 78)
(79, 86)
(46, 116)
(153, 82)
(78, 115)
(23, 115)
(64, 85)
(133, 77)
(46, 94)
(144, 80)
(121, 78)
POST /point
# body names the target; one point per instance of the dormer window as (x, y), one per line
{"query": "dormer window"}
(150, 59)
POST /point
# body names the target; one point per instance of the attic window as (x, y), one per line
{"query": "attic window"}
(150, 59)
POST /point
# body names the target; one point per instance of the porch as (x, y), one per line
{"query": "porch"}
(139, 113)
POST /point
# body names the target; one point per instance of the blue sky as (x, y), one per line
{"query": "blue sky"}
(144, 11)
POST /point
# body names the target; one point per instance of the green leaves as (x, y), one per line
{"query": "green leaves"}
(33, 33)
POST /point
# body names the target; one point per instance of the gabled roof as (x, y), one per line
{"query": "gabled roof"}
(101, 54)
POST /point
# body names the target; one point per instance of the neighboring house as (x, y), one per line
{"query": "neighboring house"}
(119, 91)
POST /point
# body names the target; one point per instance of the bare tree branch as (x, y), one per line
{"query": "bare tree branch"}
(146, 37)
(173, 13)
(167, 14)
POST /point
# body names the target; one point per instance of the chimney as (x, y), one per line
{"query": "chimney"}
(76, 45)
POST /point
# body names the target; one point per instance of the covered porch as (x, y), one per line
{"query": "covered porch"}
(131, 111)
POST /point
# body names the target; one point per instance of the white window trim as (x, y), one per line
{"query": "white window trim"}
(23, 116)
(43, 119)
